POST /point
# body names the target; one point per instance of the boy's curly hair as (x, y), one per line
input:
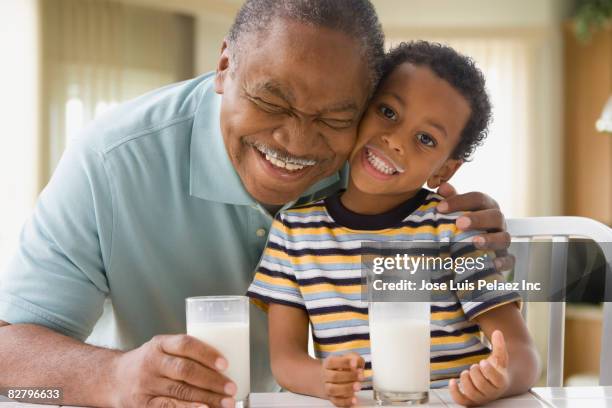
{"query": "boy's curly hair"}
(462, 74)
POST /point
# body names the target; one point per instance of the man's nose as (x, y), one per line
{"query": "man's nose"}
(393, 142)
(297, 135)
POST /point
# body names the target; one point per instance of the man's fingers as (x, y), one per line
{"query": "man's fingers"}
(473, 201)
(184, 392)
(469, 389)
(446, 190)
(165, 402)
(504, 261)
(482, 384)
(500, 352)
(491, 220)
(190, 372)
(182, 345)
(493, 241)
(492, 374)
(458, 397)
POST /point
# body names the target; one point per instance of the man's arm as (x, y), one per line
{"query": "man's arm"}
(177, 371)
(53, 293)
(35, 356)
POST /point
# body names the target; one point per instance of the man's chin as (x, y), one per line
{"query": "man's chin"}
(270, 196)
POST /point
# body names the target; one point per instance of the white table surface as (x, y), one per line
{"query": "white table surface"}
(567, 397)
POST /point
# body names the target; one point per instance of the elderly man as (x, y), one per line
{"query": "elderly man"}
(171, 195)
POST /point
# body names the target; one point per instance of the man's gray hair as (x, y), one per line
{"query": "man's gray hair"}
(356, 18)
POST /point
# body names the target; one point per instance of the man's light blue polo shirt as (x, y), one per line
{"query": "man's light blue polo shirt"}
(144, 209)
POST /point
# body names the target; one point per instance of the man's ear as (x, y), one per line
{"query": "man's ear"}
(444, 173)
(223, 68)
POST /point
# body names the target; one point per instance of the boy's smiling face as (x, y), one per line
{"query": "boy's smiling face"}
(408, 134)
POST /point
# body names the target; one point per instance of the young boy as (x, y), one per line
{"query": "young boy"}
(429, 113)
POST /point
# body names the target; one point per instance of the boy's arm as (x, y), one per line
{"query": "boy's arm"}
(337, 378)
(292, 367)
(513, 366)
(523, 362)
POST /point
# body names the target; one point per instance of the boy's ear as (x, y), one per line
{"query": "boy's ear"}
(444, 173)
(223, 68)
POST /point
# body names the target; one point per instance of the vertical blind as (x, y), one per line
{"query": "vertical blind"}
(97, 53)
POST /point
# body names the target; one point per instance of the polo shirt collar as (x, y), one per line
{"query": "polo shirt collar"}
(212, 174)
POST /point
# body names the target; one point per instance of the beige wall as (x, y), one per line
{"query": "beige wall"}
(210, 32)
(471, 13)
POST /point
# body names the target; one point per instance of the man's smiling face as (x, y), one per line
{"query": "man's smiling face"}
(291, 105)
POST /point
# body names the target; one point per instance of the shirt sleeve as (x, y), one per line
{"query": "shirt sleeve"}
(482, 286)
(275, 280)
(57, 277)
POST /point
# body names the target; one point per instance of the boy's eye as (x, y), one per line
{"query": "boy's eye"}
(426, 139)
(387, 112)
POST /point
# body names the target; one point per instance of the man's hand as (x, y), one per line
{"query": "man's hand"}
(484, 382)
(177, 371)
(484, 215)
(341, 377)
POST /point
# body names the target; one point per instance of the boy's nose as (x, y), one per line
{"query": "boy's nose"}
(393, 144)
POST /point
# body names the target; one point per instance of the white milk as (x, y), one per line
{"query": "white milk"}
(232, 341)
(400, 355)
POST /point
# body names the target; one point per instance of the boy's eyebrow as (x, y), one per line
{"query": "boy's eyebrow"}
(438, 126)
(396, 96)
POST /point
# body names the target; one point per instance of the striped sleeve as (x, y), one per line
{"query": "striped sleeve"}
(275, 280)
(482, 287)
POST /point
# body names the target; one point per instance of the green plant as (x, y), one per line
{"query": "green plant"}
(590, 16)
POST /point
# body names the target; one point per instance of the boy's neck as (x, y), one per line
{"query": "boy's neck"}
(359, 202)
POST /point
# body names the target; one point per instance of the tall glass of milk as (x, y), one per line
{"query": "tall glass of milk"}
(400, 344)
(223, 323)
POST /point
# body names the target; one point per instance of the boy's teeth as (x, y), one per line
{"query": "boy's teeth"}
(378, 164)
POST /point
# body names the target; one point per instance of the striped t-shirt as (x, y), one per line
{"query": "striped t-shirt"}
(312, 261)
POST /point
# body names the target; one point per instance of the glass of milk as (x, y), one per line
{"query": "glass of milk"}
(223, 323)
(400, 344)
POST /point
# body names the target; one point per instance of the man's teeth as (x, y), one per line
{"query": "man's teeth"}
(379, 164)
(283, 164)
(293, 164)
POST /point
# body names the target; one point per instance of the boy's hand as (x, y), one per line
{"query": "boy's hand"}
(486, 381)
(342, 376)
